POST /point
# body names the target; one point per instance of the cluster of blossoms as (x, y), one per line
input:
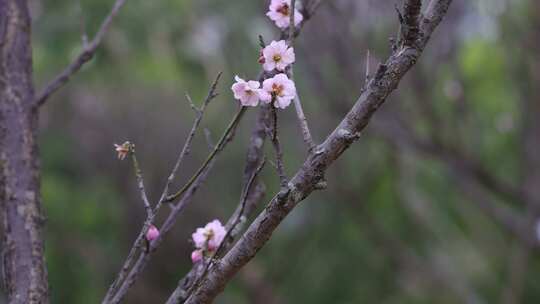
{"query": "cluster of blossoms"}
(277, 56)
(280, 90)
(207, 240)
(280, 13)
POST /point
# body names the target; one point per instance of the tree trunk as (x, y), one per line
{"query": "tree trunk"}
(25, 274)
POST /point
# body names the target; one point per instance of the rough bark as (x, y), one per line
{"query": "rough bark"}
(311, 175)
(25, 274)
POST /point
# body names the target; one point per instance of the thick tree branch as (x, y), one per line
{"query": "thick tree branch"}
(312, 172)
(84, 56)
(410, 28)
(25, 274)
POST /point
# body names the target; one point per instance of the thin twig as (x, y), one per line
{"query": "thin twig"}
(302, 121)
(237, 220)
(144, 256)
(277, 147)
(368, 66)
(140, 182)
(84, 56)
(187, 145)
(82, 24)
(306, 134)
(218, 147)
(186, 196)
(292, 26)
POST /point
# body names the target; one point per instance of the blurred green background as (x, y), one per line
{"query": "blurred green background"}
(416, 212)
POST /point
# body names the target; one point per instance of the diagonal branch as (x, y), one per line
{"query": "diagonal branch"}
(312, 172)
(84, 56)
(410, 27)
(273, 132)
(140, 182)
(254, 156)
(130, 259)
(225, 138)
(230, 230)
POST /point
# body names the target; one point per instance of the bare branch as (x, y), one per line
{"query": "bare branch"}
(145, 256)
(140, 182)
(187, 145)
(312, 172)
(218, 148)
(253, 158)
(302, 121)
(410, 27)
(277, 148)
(84, 56)
(149, 220)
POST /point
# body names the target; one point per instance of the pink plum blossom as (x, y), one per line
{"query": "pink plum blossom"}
(247, 92)
(281, 89)
(210, 236)
(277, 55)
(152, 233)
(280, 13)
(196, 256)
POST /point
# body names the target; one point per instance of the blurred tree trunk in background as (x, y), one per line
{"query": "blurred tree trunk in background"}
(24, 268)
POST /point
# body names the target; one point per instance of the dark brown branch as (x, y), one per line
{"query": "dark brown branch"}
(410, 27)
(229, 131)
(150, 219)
(312, 172)
(84, 56)
(280, 167)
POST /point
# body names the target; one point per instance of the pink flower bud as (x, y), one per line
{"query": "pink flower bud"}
(196, 256)
(152, 233)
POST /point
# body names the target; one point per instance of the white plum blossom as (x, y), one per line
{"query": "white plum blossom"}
(281, 91)
(210, 236)
(277, 56)
(280, 13)
(122, 150)
(247, 92)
